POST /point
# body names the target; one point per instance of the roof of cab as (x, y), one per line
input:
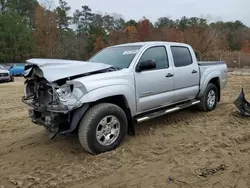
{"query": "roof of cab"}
(150, 43)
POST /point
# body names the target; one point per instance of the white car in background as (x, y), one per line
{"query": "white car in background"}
(5, 75)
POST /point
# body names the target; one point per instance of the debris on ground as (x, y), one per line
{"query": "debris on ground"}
(242, 104)
(210, 171)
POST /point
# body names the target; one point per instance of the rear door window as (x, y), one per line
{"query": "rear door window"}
(182, 56)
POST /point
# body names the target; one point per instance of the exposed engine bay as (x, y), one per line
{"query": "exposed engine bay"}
(46, 108)
(55, 105)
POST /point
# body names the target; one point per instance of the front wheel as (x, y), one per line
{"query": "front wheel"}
(102, 128)
(209, 99)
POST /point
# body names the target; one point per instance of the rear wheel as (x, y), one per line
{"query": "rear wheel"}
(102, 128)
(210, 98)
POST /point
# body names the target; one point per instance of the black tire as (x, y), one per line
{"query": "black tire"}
(90, 121)
(203, 105)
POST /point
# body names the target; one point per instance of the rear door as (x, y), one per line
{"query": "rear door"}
(186, 74)
(154, 88)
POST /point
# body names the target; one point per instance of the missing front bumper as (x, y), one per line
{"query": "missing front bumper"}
(54, 118)
(54, 106)
(54, 123)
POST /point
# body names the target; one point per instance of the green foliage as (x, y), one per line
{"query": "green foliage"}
(94, 32)
(184, 23)
(83, 18)
(131, 23)
(25, 31)
(234, 33)
(63, 18)
(24, 8)
(16, 38)
(119, 24)
(2, 5)
(165, 22)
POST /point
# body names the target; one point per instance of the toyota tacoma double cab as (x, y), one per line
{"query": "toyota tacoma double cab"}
(102, 98)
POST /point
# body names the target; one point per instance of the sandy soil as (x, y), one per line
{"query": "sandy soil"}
(171, 151)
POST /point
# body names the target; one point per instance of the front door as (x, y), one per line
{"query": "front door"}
(154, 88)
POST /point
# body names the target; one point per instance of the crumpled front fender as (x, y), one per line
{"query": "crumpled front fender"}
(109, 91)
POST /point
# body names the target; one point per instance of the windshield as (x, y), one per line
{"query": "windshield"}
(119, 57)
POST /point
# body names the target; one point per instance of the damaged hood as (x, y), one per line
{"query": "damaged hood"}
(56, 69)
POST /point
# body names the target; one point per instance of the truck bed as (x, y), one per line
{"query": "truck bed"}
(207, 63)
(207, 67)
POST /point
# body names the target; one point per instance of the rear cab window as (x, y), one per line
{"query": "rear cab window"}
(181, 56)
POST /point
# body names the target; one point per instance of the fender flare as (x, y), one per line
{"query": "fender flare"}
(206, 79)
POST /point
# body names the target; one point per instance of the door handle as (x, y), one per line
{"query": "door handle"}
(169, 75)
(194, 71)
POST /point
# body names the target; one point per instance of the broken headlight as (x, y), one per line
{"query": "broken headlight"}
(71, 93)
(64, 93)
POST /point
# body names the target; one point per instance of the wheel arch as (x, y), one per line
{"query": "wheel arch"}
(213, 77)
(121, 101)
(216, 82)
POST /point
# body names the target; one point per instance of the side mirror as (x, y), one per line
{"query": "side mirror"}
(146, 65)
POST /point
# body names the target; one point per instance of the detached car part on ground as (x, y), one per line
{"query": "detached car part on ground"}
(242, 104)
(102, 98)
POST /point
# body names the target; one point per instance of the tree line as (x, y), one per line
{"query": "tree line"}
(29, 29)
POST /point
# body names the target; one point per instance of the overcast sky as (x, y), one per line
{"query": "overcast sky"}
(226, 10)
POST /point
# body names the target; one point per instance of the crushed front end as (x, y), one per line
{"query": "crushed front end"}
(56, 106)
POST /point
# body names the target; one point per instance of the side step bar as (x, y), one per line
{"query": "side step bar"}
(166, 111)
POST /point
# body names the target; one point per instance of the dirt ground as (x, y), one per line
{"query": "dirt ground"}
(185, 149)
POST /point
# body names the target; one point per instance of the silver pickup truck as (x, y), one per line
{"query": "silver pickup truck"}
(103, 97)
